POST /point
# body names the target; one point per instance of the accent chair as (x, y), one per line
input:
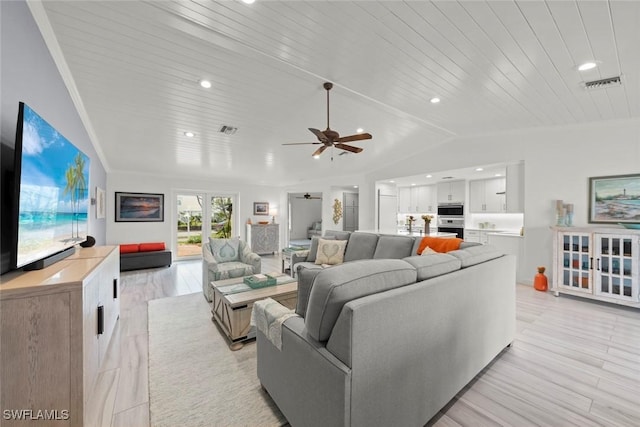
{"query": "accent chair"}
(226, 259)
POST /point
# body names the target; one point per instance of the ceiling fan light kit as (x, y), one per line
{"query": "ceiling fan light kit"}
(331, 138)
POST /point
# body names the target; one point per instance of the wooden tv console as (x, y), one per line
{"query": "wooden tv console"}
(55, 327)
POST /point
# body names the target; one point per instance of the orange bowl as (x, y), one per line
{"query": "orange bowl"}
(263, 222)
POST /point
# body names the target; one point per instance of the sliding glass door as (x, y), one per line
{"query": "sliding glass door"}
(222, 224)
(189, 226)
(200, 217)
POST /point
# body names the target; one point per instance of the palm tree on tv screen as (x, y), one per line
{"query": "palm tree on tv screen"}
(76, 187)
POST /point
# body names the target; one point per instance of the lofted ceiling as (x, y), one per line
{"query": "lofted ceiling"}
(496, 65)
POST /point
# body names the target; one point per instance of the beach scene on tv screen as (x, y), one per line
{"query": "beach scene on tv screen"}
(54, 197)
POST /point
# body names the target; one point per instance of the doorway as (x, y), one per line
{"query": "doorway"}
(201, 216)
(305, 217)
(350, 211)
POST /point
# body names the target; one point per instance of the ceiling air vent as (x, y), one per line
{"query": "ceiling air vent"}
(603, 83)
(228, 130)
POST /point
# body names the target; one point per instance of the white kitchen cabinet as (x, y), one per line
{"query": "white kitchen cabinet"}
(404, 200)
(479, 236)
(471, 235)
(487, 196)
(476, 196)
(599, 264)
(425, 200)
(417, 199)
(451, 191)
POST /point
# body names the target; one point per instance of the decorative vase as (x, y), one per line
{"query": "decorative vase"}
(426, 227)
(540, 282)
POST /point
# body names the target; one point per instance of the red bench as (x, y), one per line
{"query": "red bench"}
(136, 256)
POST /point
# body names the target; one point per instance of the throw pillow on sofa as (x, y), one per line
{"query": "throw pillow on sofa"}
(225, 250)
(439, 244)
(313, 247)
(330, 252)
(428, 251)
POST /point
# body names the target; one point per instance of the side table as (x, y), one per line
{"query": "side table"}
(287, 253)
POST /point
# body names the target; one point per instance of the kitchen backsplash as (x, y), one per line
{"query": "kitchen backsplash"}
(501, 221)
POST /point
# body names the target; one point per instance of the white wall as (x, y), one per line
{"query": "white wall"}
(135, 232)
(558, 163)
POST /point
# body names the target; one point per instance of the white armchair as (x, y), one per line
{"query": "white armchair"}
(226, 259)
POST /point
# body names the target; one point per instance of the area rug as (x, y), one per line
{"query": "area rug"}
(194, 379)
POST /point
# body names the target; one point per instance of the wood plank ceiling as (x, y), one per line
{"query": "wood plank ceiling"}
(496, 65)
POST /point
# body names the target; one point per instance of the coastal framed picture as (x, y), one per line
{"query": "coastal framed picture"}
(261, 208)
(100, 203)
(139, 207)
(614, 199)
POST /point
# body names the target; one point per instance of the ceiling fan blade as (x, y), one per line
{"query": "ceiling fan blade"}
(320, 150)
(301, 143)
(321, 136)
(348, 148)
(356, 137)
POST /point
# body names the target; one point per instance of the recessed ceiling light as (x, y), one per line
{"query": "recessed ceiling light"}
(429, 176)
(359, 130)
(392, 182)
(434, 100)
(413, 183)
(479, 169)
(355, 186)
(316, 156)
(205, 84)
(498, 174)
(248, 1)
(587, 66)
(189, 134)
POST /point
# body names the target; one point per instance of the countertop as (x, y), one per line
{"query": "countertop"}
(406, 233)
(497, 231)
(505, 234)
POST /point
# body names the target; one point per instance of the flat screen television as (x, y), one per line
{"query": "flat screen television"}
(52, 182)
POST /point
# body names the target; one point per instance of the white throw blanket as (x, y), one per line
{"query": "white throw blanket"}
(268, 316)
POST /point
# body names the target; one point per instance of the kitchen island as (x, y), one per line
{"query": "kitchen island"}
(396, 232)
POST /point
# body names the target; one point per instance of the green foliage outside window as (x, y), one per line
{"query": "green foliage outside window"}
(222, 208)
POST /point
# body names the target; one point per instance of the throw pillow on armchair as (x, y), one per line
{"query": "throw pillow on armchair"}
(225, 250)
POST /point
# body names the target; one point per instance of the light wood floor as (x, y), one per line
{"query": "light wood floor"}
(573, 363)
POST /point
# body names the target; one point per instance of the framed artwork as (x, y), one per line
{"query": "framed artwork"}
(614, 199)
(100, 203)
(139, 207)
(261, 208)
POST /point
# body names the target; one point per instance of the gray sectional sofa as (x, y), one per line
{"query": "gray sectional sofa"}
(360, 245)
(389, 341)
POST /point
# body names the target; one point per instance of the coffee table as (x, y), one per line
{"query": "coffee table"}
(233, 301)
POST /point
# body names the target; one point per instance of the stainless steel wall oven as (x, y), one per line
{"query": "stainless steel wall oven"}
(451, 219)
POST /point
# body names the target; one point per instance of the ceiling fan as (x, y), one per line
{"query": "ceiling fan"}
(331, 138)
(308, 197)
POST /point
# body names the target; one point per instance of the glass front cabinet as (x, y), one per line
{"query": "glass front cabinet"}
(599, 264)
